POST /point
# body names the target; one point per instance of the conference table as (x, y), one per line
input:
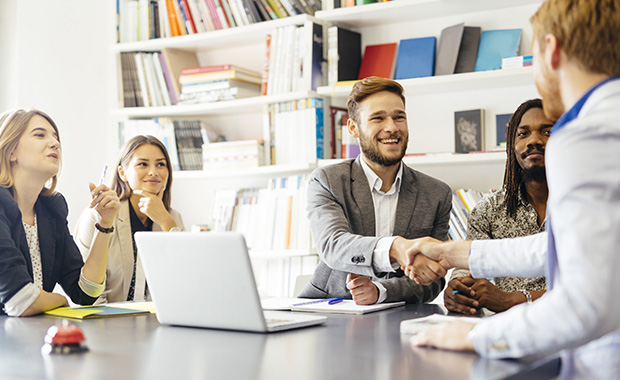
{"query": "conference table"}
(366, 346)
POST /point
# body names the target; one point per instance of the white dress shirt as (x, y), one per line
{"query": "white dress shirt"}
(385, 204)
(581, 313)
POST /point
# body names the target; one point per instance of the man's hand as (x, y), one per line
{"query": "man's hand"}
(447, 336)
(489, 296)
(424, 270)
(364, 292)
(464, 301)
(448, 254)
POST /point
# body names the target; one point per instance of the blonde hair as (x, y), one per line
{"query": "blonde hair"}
(588, 31)
(370, 86)
(13, 124)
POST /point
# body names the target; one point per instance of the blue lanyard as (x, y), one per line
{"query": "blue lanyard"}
(572, 113)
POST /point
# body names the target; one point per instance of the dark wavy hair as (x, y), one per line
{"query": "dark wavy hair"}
(513, 172)
(121, 187)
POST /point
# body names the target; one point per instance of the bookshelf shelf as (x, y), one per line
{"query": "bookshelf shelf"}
(245, 105)
(262, 171)
(411, 10)
(242, 35)
(447, 159)
(450, 83)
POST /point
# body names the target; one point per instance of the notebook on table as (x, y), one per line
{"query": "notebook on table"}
(205, 279)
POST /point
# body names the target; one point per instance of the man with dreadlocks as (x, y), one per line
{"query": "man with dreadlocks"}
(517, 210)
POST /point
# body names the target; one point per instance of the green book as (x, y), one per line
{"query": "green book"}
(362, 2)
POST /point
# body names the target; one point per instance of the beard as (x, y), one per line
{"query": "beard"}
(370, 149)
(534, 174)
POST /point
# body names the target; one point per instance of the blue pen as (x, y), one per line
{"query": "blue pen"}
(330, 301)
(456, 292)
(335, 300)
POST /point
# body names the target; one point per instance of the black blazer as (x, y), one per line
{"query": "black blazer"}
(61, 260)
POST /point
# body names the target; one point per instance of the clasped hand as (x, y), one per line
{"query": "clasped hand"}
(423, 262)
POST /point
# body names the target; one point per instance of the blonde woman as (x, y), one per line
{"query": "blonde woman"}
(36, 249)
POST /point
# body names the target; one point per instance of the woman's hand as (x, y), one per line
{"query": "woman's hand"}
(105, 202)
(152, 206)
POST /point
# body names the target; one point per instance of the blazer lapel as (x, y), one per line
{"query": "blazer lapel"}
(406, 202)
(362, 197)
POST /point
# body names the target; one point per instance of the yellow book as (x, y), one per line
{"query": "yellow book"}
(100, 311)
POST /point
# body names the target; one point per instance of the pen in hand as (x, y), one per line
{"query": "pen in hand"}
(103, 173)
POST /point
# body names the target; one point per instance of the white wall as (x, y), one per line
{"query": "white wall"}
(55, 58)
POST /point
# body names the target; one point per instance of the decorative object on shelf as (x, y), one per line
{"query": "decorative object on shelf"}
(469, 131)
(501, 124)
(344, 54)
(416, 58)
(495, 45)
(468, 51)
(378, 61)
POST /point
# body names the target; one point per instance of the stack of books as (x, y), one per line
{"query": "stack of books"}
(216, 83)
(463, 201)
(233, 154)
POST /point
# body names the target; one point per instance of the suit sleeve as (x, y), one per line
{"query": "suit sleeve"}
(336, 244)
(13, 271)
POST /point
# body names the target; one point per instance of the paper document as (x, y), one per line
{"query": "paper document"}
(323, 306)
(96, 311)
(416, 325)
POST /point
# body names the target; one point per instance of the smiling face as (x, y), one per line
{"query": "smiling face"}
(531, 139)
(147, 170)
(38, 152)
(382, 131)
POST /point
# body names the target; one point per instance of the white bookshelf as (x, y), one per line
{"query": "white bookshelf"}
(242, 35)
(450, 83)
(268, 171)
(410, 10)
(253, 105)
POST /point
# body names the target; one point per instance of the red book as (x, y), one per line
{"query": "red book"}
(265, 79)
(213, 12)
(378, 61)
(188, 15)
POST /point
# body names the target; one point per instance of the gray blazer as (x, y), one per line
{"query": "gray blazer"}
(342, 220)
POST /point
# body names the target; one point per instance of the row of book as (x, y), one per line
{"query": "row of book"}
(145, 80)
(294, 132)
(184, 139)
(140, 20)
(271, 218)
(460, 49)
(216, 83)
(463, 201)
(335, 4)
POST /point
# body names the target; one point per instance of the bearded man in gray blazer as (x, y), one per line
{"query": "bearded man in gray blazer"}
(364, 212)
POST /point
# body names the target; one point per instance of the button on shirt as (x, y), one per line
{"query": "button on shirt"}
(385, 204)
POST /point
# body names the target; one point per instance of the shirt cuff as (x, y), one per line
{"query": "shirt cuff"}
(382, 292)
(381, 256)
(91, 289)
(22, 300)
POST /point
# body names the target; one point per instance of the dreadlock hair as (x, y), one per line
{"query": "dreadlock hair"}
(513, 172)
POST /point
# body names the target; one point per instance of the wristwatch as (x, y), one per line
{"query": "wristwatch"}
(528, 295)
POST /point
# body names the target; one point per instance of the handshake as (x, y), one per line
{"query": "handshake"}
(426, 259)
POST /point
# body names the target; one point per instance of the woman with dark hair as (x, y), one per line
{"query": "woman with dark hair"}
(143, 183)
(36, 249)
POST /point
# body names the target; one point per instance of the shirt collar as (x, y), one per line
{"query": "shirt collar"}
(375, 182)
(572, 113)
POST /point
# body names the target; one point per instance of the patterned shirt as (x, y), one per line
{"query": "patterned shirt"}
(489, 220)
(32, 237)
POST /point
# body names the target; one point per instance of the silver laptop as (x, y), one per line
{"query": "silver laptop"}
(205, 279)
